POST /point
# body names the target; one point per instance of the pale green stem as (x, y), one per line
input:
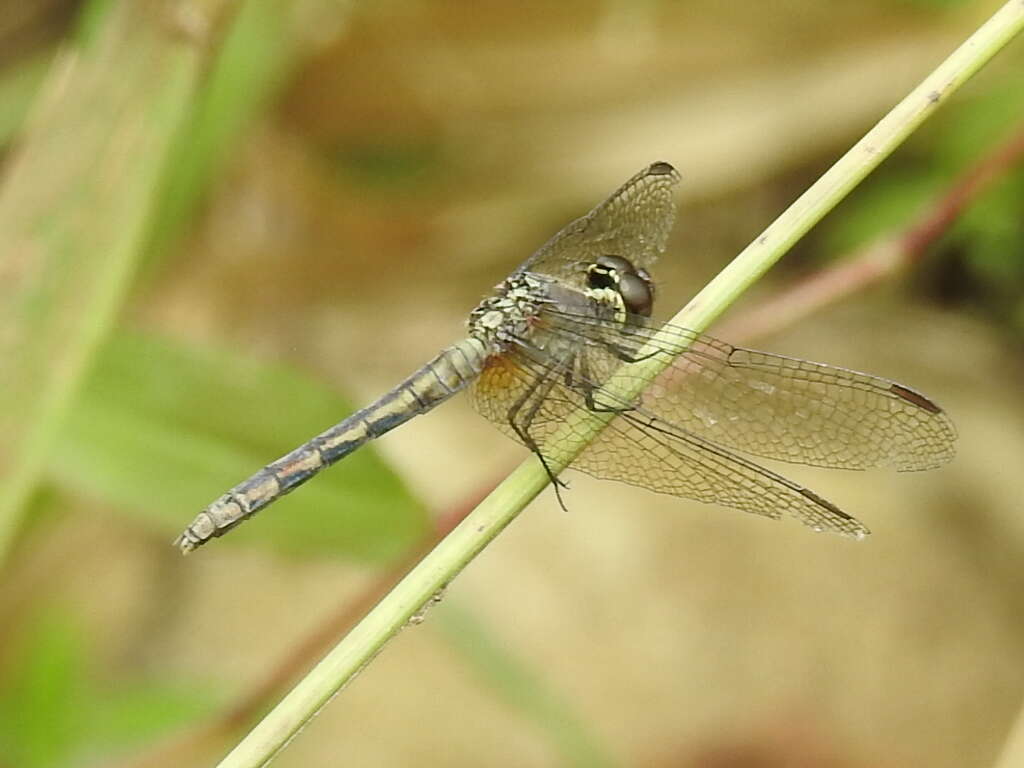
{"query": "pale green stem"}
(439, 567)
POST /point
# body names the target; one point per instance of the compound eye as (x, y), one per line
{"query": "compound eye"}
(636, 293)
(614, 263)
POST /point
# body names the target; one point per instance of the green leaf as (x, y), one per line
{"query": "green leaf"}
(138, 712)
(51, 710)
(162, 429)
(880, 208)
(39, 720)
(979, 122)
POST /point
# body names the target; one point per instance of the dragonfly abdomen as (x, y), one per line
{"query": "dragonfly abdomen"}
(451, 371)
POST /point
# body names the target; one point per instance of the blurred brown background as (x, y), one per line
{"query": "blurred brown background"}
(342, 192)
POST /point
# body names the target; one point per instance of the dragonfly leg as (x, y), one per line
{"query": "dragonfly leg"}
(521, 416)
(584, 383)
(625, 355)
(618, 352)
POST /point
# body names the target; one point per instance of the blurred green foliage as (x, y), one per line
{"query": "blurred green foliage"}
(159, 424)
(522, 688)
(72, 223)
(18, 85)
(53, 710)
(392, 163)
(246, 72)
(981, 252)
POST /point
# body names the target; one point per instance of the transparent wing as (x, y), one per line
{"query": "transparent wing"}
(672, 461)
(636, 447)
(769, 405)
(633, 222)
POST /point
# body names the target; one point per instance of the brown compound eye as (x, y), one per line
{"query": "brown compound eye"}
(633, 285)
(615, 263)
(637, 293)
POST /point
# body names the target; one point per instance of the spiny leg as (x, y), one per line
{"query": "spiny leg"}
(537, 391)
(620, 353)
(585, 384)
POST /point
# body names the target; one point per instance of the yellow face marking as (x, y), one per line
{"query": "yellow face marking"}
(609, 297)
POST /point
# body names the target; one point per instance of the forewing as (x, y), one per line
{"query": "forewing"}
(774, 406)
(634, 222)
(636, 448)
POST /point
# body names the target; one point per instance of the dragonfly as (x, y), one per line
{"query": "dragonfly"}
(543, 346)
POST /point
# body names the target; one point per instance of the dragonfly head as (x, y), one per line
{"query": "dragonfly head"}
(633, 285)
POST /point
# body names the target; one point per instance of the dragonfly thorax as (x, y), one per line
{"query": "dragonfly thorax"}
(509, 313)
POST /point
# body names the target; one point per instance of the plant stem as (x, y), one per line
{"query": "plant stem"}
(440, 566)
